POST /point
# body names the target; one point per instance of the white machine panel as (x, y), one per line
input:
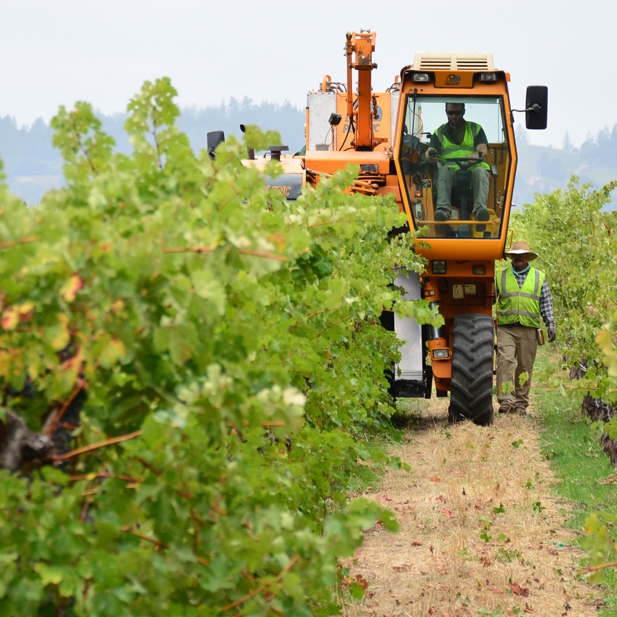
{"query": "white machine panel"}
(321, 106)
(409, 331)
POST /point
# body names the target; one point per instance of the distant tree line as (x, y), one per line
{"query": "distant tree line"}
(595, 150)
(26, 150)
(600, 149)
(227, 117)
(595, 158)
(33, 165)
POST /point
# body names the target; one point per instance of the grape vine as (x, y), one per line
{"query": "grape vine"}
(224, 349)
(575, 237)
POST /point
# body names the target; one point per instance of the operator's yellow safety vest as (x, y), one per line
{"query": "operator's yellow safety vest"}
(519, 304)
(450, 150)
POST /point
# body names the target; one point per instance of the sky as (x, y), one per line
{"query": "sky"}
(58, 52)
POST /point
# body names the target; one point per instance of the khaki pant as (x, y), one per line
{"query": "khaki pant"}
(479, 187)
(516, 354)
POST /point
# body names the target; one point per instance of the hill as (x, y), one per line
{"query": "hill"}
(33, 165)
(544, 170)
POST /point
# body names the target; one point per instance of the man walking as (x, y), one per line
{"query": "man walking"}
(524, 300)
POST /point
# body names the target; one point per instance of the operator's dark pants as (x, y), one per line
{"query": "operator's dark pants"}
(516, 354)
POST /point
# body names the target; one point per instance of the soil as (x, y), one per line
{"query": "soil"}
(481, 529)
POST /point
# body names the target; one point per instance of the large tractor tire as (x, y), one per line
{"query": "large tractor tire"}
(473, 348)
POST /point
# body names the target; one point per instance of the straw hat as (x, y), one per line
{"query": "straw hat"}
(521, 248)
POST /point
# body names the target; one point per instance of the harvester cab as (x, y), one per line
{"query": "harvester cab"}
(441, 93)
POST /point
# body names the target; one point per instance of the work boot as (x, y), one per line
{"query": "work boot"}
(505, 408)
(441, 214)
(481, 214)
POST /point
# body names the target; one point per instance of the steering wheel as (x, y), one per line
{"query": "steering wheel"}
(464, 162)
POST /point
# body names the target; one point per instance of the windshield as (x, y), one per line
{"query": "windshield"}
(455, 160)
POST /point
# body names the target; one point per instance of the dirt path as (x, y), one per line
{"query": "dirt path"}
(481, 533)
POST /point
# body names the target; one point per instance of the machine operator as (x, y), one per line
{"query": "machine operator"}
(457, 139)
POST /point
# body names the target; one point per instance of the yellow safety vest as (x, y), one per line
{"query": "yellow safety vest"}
(451, 150)
(519, 304)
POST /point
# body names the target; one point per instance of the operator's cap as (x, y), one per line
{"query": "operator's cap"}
(521, 248)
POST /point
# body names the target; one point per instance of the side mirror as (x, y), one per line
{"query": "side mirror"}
(536, 107)
(214, 139)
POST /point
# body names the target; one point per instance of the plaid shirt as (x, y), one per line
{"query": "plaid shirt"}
(546, 300)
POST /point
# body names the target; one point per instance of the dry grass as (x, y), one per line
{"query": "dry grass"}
(481, 532)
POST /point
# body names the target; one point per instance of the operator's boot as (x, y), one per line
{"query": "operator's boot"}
(481, 214)
(441, 214)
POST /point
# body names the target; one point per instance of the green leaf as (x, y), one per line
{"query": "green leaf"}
(182, 343)
(49, 574)
(57, 335)
(113, 352)
(208, 287)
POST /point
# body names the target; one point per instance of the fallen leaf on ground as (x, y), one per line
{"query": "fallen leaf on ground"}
(517, 590)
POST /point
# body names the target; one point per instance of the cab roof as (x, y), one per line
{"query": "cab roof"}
(459, 61)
